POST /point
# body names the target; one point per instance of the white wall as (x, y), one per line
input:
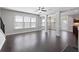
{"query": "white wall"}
(8, 17)
(0, 12)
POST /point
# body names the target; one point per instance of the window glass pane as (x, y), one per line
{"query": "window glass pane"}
(24, 22)
(18, 22)
(33, 24)
(33, 19)
(26, 19)
(64, 22)
(53, 25)
(43, 20)
(18, 19)
(18, 25)
(53, 19)
(43, 23)
(27, 25)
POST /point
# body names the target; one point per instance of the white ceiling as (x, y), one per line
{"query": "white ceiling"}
(50, 10)
(71, 11)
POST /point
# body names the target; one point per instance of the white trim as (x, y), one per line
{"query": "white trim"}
(24, 32)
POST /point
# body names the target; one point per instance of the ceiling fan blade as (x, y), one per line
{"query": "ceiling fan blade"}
(44, 10)
(40, 9)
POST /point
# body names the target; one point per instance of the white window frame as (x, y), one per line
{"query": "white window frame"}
(17, 22)
(23, 26)
(32, 22)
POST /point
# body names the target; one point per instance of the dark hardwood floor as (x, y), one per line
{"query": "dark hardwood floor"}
(39, 42)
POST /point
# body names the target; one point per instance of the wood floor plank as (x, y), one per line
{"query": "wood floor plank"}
(39, 42)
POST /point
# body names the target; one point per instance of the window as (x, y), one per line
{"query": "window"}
(18, 22)
(51, 22)
(27, 22)
(64, 22)
(24, 22)
(43, 22)
(33, 22)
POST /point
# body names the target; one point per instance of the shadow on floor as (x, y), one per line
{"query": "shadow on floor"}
(71, 49)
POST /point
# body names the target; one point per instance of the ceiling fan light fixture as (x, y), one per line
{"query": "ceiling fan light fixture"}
(41, 10)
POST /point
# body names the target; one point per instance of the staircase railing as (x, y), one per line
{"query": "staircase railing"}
(2, 26)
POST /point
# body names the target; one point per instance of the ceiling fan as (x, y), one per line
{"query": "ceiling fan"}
(41, 9)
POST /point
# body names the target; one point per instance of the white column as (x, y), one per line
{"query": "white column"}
(46, 23)
(39, 22)
(58, 24)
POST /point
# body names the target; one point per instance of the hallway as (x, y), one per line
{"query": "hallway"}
(38, 41)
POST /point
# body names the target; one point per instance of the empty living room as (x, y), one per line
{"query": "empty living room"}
(39, 29)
